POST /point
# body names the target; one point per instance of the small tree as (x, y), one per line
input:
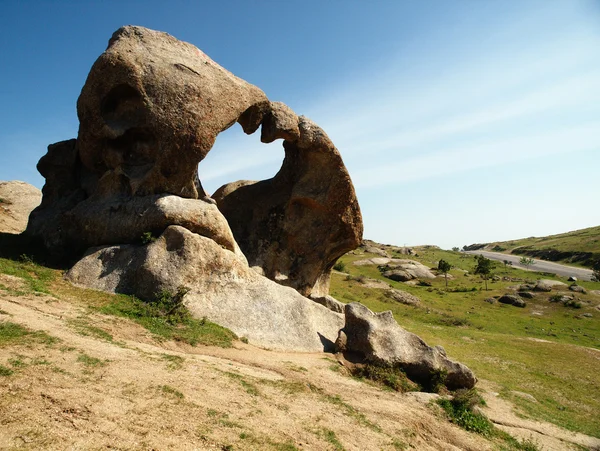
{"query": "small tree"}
(444, 267)
(527, 262)
(507, 263)
(455, 249)
(484, 268)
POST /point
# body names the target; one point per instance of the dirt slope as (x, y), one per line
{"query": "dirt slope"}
(86, 390)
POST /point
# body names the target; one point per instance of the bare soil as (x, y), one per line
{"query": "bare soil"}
(132, 392)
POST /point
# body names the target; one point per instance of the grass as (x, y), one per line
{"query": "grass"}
(168, 390)
(329, 436)
(87, 330)
(159, 320)
(36, 277)
(4, 371)
(12, 333)
(89, 361)
(499, 342)
(174, 362)
(389, 376)
(251, 389)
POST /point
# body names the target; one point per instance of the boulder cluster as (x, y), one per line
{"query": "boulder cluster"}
(124, 202)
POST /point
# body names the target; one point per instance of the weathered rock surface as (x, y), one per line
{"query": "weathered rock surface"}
(379, 339)
(376, 251)
(297, 224)
(330, 302)
(512, 299)
(222, 287)
(403, 297)
(17, 200)
(577, 289)
(149, 112)
(547, 285)
(403, 270)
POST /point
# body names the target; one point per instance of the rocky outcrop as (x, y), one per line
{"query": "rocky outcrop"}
(378, 339)
(17, 200)
(221, 287)
(403, 297)
(512, 299)
(149, 113)
(404, 270)
(297, 224)
(546, 285)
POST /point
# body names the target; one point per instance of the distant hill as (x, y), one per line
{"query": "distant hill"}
(581, 247)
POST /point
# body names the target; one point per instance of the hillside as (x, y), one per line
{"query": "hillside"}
(81, 368)
(580, 247)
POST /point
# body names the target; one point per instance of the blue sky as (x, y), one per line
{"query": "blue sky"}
(460, 122)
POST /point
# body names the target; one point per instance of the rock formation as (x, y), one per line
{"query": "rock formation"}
(126, 192)
(149, 112)
(223, 289)
(378, 339)
(17, 200)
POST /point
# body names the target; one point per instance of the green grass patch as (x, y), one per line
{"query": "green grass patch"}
(89, 361)
(251, 389)
(460, 411)
(329, 436)
(82, 327)
(15, 334)
(499, 342)
(167, 323)
(4, 371)
(388, 376)
(174, 362)
(36, 277)
(171, 391)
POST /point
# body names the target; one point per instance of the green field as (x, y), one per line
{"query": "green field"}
(546, 349)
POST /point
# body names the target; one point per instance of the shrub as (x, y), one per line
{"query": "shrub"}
(147, 238)
(460, 411)
(573, 303)
(339, 266)
(390, 376)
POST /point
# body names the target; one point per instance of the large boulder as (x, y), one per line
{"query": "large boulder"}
(402, 270)
(17, 200)
(149, 112)
(221, 287)
(378, 339)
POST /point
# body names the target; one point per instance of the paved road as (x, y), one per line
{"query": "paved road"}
(539, 265)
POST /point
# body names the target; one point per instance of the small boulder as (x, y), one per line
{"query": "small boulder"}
(376, 251)
(526, 294)
(490, 300)
(399, 275)
(512, 299)
(526, 287)
(403, 297)
(546, 285)
(577, 289)
(379, 340)
(572, 279)
(520, 303)
(561, 298)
